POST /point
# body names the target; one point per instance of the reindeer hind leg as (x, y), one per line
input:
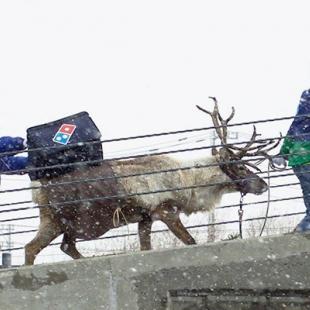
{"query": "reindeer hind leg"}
(45, 235)
(68, 246)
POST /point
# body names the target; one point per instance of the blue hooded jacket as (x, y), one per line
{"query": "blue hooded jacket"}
(300, 128)
(10, 162)
(296, 145)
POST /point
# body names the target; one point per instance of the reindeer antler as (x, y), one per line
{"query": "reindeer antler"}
(261, 150)
(219, 123)
(252, 148)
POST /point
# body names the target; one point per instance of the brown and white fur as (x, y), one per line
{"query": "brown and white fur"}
(79, 212)
(91, 219)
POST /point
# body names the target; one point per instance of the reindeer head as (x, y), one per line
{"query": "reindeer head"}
(230, 156)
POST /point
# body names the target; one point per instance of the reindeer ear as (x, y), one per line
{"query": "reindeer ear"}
(214, 151)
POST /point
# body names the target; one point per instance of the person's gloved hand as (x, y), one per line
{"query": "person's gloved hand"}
(279, 161)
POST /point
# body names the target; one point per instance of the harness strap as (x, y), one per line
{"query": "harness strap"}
(116, 217)
(240, 213)
(270, 166)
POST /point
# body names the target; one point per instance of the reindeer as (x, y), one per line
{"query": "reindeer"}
(76, 209)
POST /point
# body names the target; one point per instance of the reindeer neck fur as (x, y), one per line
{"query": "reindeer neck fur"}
(208, 197)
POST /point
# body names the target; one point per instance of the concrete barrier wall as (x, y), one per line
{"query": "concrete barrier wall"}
(143, 280)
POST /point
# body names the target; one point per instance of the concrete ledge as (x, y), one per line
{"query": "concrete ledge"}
(143, 280)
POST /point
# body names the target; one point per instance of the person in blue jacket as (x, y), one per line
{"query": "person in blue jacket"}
(11, 162)
(296, 149)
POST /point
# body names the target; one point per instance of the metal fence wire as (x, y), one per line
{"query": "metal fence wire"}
(11, 208)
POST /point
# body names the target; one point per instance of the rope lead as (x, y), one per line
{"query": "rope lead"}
(240, 213)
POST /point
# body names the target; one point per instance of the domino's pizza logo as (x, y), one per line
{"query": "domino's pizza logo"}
(64, 134)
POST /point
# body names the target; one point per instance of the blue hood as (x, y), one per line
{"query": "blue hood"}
(300, 128)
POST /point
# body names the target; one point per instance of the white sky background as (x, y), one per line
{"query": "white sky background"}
(141, 67)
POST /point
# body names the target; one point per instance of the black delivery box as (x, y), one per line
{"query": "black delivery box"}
(62, 142)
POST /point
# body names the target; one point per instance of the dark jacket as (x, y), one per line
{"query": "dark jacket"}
(9, 162)
(296, 146)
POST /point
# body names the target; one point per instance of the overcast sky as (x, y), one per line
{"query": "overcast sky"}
(141, 66)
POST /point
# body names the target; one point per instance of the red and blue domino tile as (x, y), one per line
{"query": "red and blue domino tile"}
(64, 134)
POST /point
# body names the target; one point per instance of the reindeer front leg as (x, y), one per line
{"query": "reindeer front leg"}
(170, 215)
(145, 229)
(179, 231)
